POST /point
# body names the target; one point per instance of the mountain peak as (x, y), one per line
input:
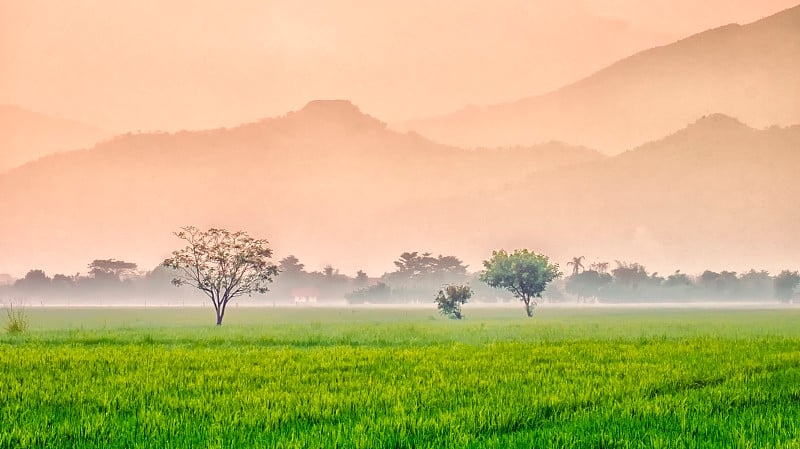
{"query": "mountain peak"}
(707, 133)
(342, 112)
(330, 108)
(719, 122)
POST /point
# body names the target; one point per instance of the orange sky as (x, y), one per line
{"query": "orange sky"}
(183, 64)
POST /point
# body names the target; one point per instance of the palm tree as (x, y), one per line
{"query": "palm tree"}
(600, 267)
(577, 264)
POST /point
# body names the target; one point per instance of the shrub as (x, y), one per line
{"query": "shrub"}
(16, 319)
(450, 298)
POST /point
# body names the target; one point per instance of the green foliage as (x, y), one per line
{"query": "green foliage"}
(450, 299)
(525, 274)
(222, 264)
(16, 319)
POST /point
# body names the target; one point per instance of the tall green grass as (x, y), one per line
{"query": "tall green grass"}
(388, 379)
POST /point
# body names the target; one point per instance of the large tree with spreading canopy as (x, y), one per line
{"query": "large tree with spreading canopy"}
(222, 264)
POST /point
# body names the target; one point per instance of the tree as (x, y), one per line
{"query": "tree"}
(525, 274)
(450, 298)
(630, 274)
(600, 267)
(379, 293)
(35, 279)
(35, 282)
(330, 282)
(222, 264)
(756, 284)
(577, 265)
(414, 266)
(293, 276)
(785, 283)
(417, 274)
(111, 269)
(361, 279)
(291, 266)
(677, 279)
(587, 284)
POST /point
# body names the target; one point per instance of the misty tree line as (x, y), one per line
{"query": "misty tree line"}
(107, 279)
(416, 279)
(631, 282)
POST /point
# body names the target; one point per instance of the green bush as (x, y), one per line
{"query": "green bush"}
(450, 298)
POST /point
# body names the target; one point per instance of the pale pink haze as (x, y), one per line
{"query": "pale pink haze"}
(644, 131)
(171, 65)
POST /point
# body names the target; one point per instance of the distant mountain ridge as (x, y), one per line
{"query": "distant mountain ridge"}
(716, 193)
(330, 182)
(750, 72)
(305, 179)
(26, 136)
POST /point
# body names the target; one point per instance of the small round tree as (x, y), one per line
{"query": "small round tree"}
(525, 274)
(450, 298)
(222, 264)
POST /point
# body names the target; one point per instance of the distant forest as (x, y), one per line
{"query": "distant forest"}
(416, 279)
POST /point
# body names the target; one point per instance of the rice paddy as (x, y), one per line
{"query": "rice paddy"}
(401, 378)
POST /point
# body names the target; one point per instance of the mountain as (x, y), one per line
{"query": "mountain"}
(750, 72)
(26, 136)
(716, 194)
(311, 181)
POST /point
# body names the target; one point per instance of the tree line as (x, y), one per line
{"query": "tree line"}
(628, 282)
(223, 265)
(415, 277)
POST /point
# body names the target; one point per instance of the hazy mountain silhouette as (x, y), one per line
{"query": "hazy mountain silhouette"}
(714, 194)
(26, 136)
(749, 71)
(311, 181)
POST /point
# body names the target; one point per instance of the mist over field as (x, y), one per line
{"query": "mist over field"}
(670, 144)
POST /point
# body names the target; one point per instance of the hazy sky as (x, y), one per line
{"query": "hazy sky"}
(183, 64)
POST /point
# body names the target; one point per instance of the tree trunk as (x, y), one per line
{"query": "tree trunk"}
(220, 314)
(223, 303)
(219, 310)
(528, 310)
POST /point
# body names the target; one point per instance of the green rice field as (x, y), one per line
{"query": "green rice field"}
(402, 378)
